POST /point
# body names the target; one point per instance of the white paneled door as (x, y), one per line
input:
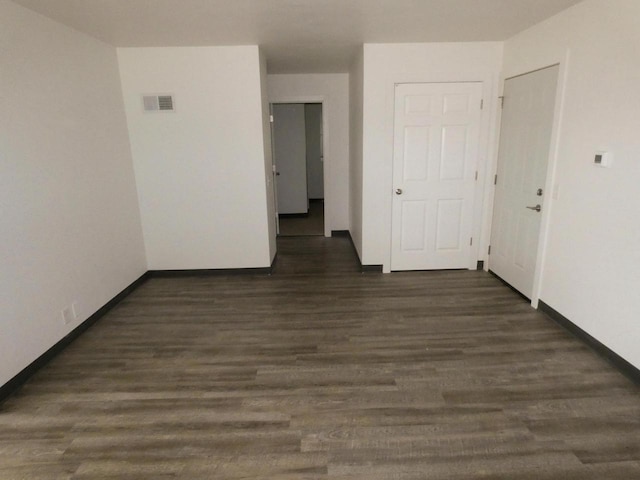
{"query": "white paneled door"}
(525, 141)
(436, 142)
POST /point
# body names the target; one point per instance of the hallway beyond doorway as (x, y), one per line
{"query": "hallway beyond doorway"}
(310, 224)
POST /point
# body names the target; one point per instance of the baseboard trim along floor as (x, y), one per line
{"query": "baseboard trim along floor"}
(16, 382)
(321, 371)
(209, 272)
(616, 360)
(363, 268)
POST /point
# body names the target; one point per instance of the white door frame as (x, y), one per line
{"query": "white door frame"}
(550, 184)
(325, 142)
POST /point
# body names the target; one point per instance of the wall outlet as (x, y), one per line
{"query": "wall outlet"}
(75, 309)
(67, 315)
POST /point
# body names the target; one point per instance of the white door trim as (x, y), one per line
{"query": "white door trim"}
(328, 164)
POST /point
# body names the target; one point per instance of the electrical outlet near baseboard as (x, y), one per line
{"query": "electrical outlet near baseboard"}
(67, 315)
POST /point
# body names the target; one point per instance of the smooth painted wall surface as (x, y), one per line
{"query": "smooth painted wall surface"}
(201, 169)
(591, 266)
(334, 90)
(70, 225)
(356, 86)
(388, 64)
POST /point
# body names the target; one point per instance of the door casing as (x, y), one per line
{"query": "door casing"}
(325, 142)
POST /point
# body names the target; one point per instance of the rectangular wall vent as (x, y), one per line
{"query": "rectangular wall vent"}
(165, 102)
(158, 103)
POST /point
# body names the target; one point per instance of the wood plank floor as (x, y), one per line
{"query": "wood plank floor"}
(320, 372)
(311, 224)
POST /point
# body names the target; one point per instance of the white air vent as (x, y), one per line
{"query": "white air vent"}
(158, 103)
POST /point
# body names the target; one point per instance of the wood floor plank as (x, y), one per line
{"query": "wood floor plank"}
(320, 372)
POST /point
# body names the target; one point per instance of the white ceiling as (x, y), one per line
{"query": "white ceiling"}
(297, 35)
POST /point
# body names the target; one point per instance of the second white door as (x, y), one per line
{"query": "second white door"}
(525, 142)
(436, 142)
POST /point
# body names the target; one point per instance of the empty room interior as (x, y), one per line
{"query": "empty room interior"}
(465, 305)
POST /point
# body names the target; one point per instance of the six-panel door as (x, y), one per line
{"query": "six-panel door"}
(436, 142)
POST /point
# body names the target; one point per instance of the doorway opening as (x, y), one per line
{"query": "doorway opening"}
(298, 153)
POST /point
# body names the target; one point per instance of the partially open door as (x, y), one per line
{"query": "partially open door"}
(525, 144)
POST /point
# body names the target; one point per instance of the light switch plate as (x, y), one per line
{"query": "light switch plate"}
(603, 159)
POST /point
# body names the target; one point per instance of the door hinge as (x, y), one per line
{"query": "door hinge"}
(495, 179)
(270, 118)
(482, 104)
(501, 102)
(471, 242)
(476, 175)
(489, 252)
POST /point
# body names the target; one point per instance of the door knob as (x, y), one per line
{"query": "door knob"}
(537, 208)
(398, 191)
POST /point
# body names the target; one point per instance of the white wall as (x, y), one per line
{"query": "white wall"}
(591, 266)
(334, 90)
(70, 224)
(356, 85)
(388, 64)
(201, 169)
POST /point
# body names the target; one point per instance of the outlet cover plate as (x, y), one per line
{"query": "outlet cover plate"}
(67, 315)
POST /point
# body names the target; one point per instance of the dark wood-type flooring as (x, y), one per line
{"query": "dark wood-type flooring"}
(310, 224)
(321, 372)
